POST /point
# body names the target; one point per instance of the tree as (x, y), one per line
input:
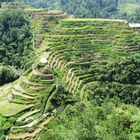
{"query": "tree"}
(15, 38)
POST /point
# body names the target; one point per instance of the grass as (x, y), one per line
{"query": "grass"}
(11, 109)
(7, 108)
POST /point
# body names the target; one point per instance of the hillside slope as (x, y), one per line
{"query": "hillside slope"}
(95, 60)
(85, 82)
(122, 9)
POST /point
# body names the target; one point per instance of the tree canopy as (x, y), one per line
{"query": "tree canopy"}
(92, 8)
(15, 38)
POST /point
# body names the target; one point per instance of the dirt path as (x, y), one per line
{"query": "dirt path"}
(34, 122)
(24, 116)
(24, 136)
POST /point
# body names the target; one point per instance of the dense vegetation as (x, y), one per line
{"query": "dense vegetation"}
(15, 38)
(103, 115)
(125, 9)
(119, 80)
(15, 52)
(15, 43)
(109, 72)
(110, 121)
(88, 89)
(136, 16)
(8, 74)
(5, 125)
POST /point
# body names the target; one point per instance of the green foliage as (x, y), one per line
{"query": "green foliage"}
(101, 62)
(127, 93)
(90, 46)
(93, 8)
(80, 8)
(136, 16)
(117, 80)
(15, 38)
(8, 74)
(5, 125)
(16, 50)
(111, 121)
(59, 96)
(126, 72)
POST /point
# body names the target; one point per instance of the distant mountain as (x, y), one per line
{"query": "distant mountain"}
(124, 9)
(79, 8)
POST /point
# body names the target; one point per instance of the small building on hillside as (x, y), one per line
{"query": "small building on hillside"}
(134, 25)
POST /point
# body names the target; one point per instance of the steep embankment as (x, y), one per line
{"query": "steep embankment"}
(28, 98)
(73, 53)
(95, 60)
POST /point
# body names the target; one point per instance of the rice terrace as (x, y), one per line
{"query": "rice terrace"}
(68, 76)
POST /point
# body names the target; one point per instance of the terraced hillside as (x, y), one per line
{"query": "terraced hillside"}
(27, 99)
(75, 54)
(80, 47)
(39, 85)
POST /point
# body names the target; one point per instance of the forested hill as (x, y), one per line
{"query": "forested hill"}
(123, 9)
